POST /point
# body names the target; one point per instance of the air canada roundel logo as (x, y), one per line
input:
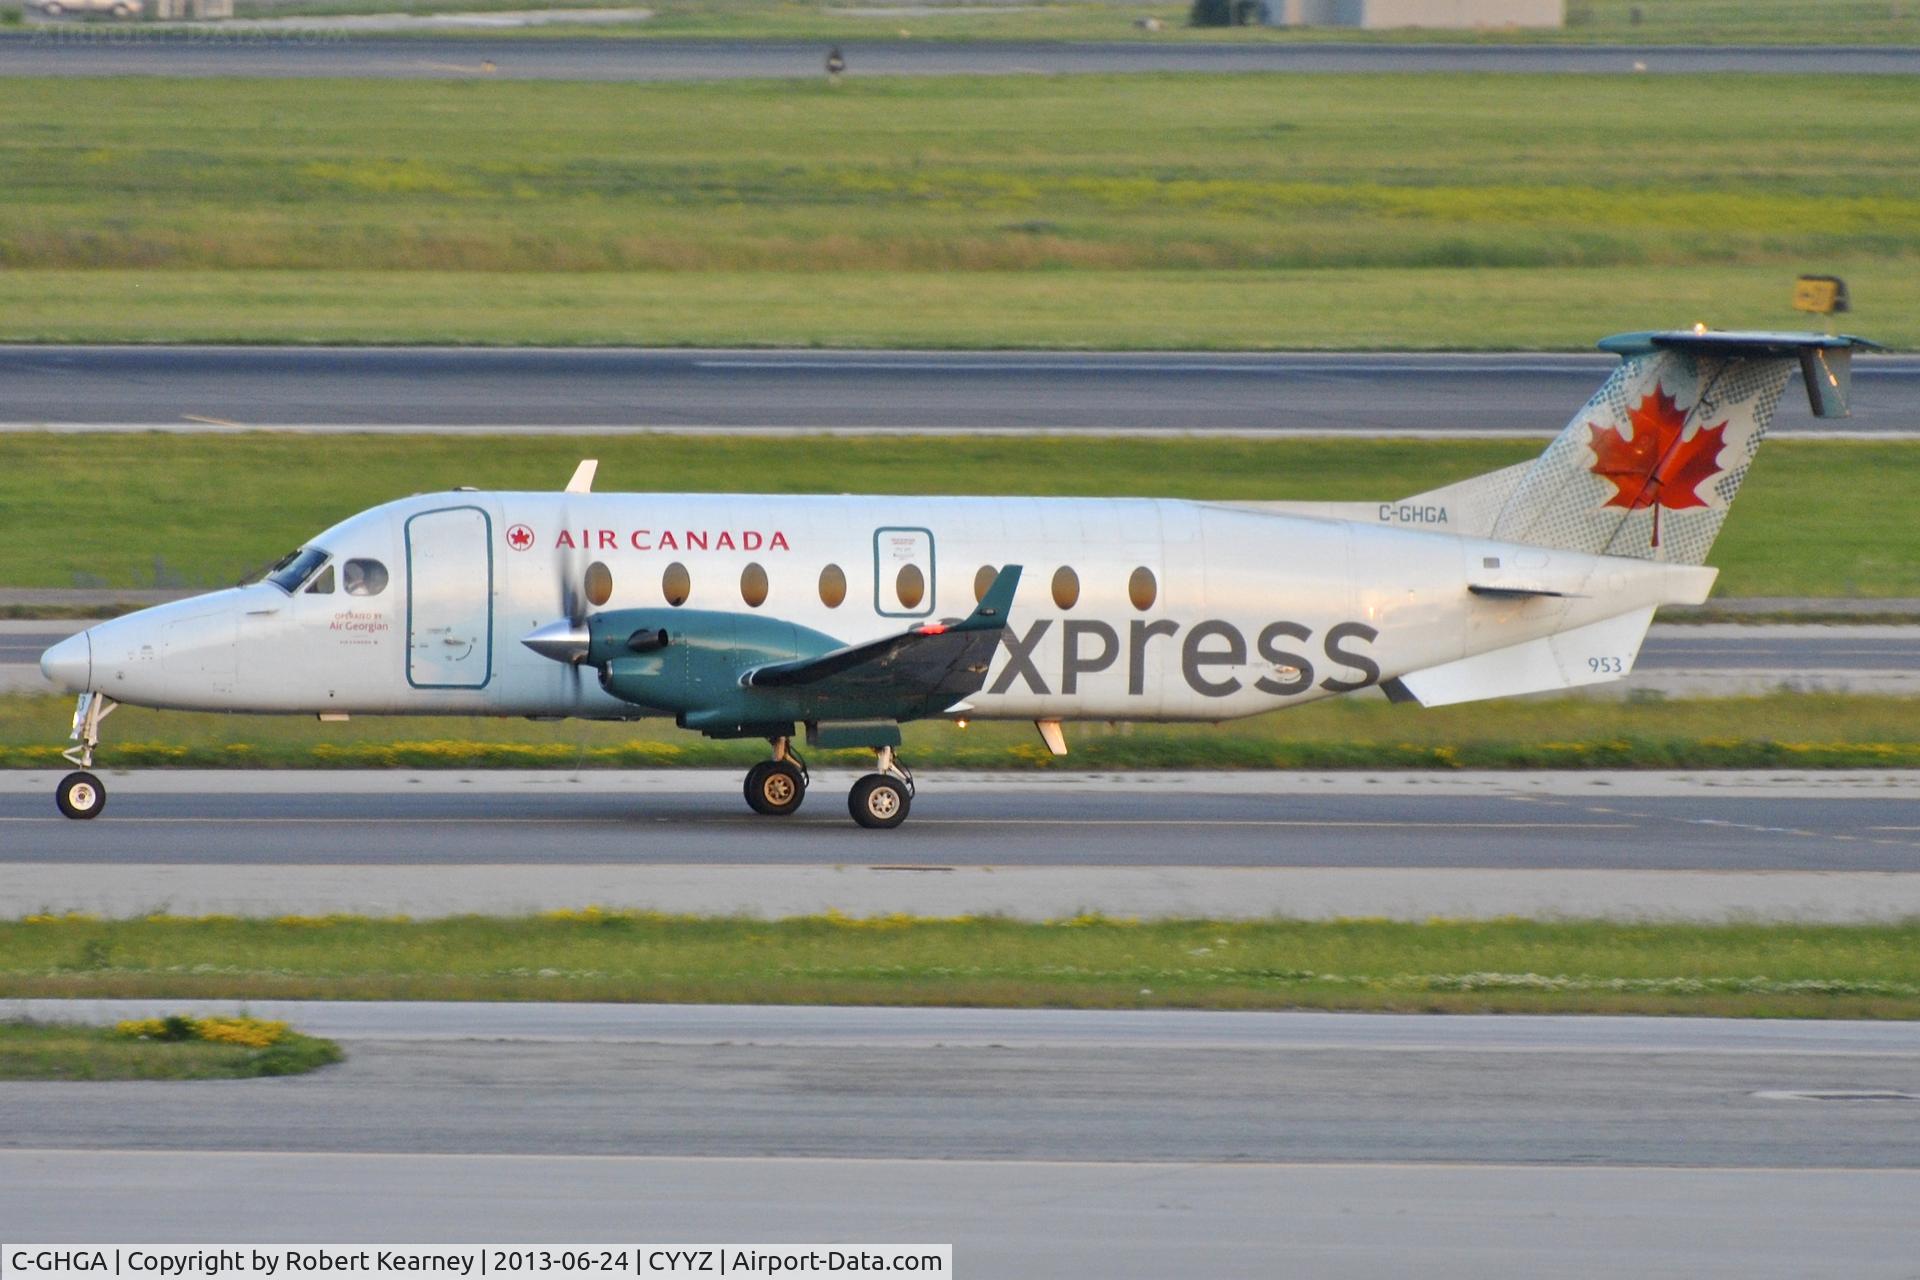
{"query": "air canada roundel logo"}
(519, 537)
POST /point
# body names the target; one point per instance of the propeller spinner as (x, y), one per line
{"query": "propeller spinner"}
(564, 640)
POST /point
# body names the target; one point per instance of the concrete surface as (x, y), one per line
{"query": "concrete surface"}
(1835, 847)
(1018, 1219)
(217, 388)
(1039, 1142)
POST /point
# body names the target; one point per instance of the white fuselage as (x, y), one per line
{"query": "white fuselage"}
(1247, 610)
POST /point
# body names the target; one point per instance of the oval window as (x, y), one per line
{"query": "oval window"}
(910, 586)
(675, 585)
(983, 582)
(363, 577)
(753, 586)
(833, 586)
(599, 584)
(1142, 589)
(1066, 587)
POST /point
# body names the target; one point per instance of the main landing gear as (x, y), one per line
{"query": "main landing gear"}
(776, 787)
(80, 794)
(881, 800)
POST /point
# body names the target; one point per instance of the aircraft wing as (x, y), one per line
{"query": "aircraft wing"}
(931, 666)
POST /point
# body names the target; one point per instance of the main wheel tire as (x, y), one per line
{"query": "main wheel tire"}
(879, 801)
(80, 795)
(775, 788)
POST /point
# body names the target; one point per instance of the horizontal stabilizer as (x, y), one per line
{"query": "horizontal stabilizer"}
(1504, 592)
(1826, 359)
(1593, 654)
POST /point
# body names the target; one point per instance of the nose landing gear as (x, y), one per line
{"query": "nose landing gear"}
(80, 794)
(881, 800)
(776, 787)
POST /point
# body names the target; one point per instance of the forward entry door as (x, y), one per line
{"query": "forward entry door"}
(450, 599)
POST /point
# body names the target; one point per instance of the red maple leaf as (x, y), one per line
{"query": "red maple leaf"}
(1656, 468)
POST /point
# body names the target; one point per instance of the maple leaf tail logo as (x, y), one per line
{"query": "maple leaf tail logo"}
(1656, 467)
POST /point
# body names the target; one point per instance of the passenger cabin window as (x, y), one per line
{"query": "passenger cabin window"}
(295, 568)
(983, 582)
(363, 577)
(599, 584)
(910, 586)
(675, 585)
(833, 586)
(1066, 587)
(1142, 589)
(322, 584)
(753, 586)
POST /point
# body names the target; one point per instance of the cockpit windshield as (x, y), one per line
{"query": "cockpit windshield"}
(295, 568)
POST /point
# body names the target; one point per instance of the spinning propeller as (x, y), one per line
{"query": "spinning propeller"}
(568, 639)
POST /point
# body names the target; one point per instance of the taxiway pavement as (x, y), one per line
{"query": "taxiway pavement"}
(65, 50)
(1842, 847)
(1039, 1142)
(546, 389)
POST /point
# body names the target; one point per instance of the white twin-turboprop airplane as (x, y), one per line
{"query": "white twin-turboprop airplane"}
(746, 616)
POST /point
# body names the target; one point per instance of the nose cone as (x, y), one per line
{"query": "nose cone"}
(563, 641)
(69, 664)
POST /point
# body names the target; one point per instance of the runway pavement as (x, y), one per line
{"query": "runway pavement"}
(466, 389)
(71, 50)
(1842, 848)
(1038, 1142)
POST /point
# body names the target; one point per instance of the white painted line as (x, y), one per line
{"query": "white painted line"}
(1598, 785)
(1273, 822)
(720, 821)
(1262, 368)
(775, 891)
(1103, 432)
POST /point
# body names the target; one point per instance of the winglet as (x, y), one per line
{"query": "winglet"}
(991, 613)
(582, 481)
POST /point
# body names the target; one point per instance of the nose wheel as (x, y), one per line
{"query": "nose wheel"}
(80, 794)
(880, 801)
(776, 787)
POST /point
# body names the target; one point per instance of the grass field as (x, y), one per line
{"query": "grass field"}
(1588, 21)
(59, 1051)
(1090, 962)
(1375, 308)
(1782, 731)
(1086, 211)
(1816, 518)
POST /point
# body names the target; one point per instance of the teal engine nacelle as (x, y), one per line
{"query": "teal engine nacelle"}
(688, 663)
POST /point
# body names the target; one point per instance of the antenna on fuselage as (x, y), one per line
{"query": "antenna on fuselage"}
(582, 481)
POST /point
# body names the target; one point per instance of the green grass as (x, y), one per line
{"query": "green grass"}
(1379, 308)
(61, 1051)
(1443, 966)
(1588, 21)
(1786, 731)
(1168, 210)
(1816, 518)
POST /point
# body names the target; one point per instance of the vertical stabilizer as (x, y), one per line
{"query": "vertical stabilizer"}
(1649, 468)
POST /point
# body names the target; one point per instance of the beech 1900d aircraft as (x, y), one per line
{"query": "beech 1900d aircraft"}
(757, 616)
